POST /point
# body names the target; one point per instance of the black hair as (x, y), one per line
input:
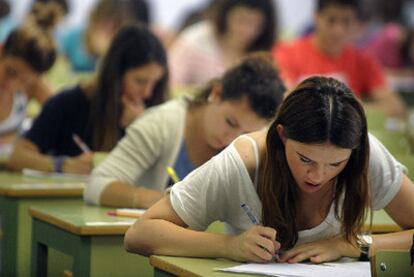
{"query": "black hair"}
(266, 39)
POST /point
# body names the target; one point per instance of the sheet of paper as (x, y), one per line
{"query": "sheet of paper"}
(37, 173)
(338, 269)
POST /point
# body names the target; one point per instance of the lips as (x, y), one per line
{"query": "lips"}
(312, 184)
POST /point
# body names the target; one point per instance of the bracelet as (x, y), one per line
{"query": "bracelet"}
(58, 162)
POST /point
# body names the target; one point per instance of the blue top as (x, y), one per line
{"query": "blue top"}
(72, 45)
(182, 166)
(7, 25)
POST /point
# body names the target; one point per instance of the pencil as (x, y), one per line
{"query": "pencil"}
(81, 144)
(172, 174)
(126, 213)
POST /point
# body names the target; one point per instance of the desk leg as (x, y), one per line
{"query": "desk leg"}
(49, 236)
(8, 250)
(161, 273)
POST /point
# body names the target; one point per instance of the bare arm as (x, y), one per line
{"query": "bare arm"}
(161, 231)
(401, 209)
(389, 102)
(27, 155)
(121, 194)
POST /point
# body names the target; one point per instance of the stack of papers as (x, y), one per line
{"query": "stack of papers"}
(337, 269)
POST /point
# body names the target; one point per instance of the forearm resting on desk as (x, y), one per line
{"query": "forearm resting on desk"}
(121, 194)
(161, 237)
(27, 155)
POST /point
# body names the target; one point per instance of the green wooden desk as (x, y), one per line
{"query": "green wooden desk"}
(384, 264)
(391, 263)
(86, 233)
(17, 193)
(191, 267)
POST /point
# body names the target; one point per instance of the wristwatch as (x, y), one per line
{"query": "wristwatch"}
(364, 243)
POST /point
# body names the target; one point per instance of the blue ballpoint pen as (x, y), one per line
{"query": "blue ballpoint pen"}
(253, 219)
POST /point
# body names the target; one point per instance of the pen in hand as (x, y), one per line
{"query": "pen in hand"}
(253, 219)
(81, 144)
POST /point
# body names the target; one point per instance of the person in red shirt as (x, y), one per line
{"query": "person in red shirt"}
(328, 51)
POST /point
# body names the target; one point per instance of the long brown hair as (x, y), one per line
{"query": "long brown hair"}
(133, 46)
(317, 111)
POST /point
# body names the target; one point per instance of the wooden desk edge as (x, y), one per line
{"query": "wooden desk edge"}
(156, 262)
(83, 230)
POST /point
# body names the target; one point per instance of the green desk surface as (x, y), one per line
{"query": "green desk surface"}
(90, 237)
(17, 193)
(82, 219)
(384, 264)
(191, 267)
(391, 263)
(17, 185)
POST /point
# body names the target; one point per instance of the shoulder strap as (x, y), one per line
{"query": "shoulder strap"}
(256, 154)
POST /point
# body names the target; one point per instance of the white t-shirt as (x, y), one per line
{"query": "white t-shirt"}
(216, 190)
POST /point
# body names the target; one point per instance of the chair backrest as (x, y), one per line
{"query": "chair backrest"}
(391, 263)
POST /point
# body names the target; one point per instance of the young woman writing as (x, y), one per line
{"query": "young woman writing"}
(309, 179)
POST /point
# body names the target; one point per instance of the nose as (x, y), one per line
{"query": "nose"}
(316, 174)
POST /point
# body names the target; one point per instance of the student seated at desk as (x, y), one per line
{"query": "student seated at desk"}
(27, 53)
(133, 76)
(329, 52)
(309, 179)
(185, 133)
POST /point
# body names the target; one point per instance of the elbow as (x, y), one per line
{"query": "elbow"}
(137, 241)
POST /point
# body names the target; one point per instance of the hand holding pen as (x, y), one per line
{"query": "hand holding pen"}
(258, 244)
(81, 144)
(81, 164)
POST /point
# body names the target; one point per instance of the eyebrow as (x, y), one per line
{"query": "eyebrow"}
(303, 156)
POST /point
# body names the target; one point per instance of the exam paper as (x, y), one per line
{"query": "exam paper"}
(341, 268)
(42, 174)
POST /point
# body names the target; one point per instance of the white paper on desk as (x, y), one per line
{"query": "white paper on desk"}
(337, 269)
(37, 173)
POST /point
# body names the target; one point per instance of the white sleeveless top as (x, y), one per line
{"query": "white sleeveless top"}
(216, 190)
